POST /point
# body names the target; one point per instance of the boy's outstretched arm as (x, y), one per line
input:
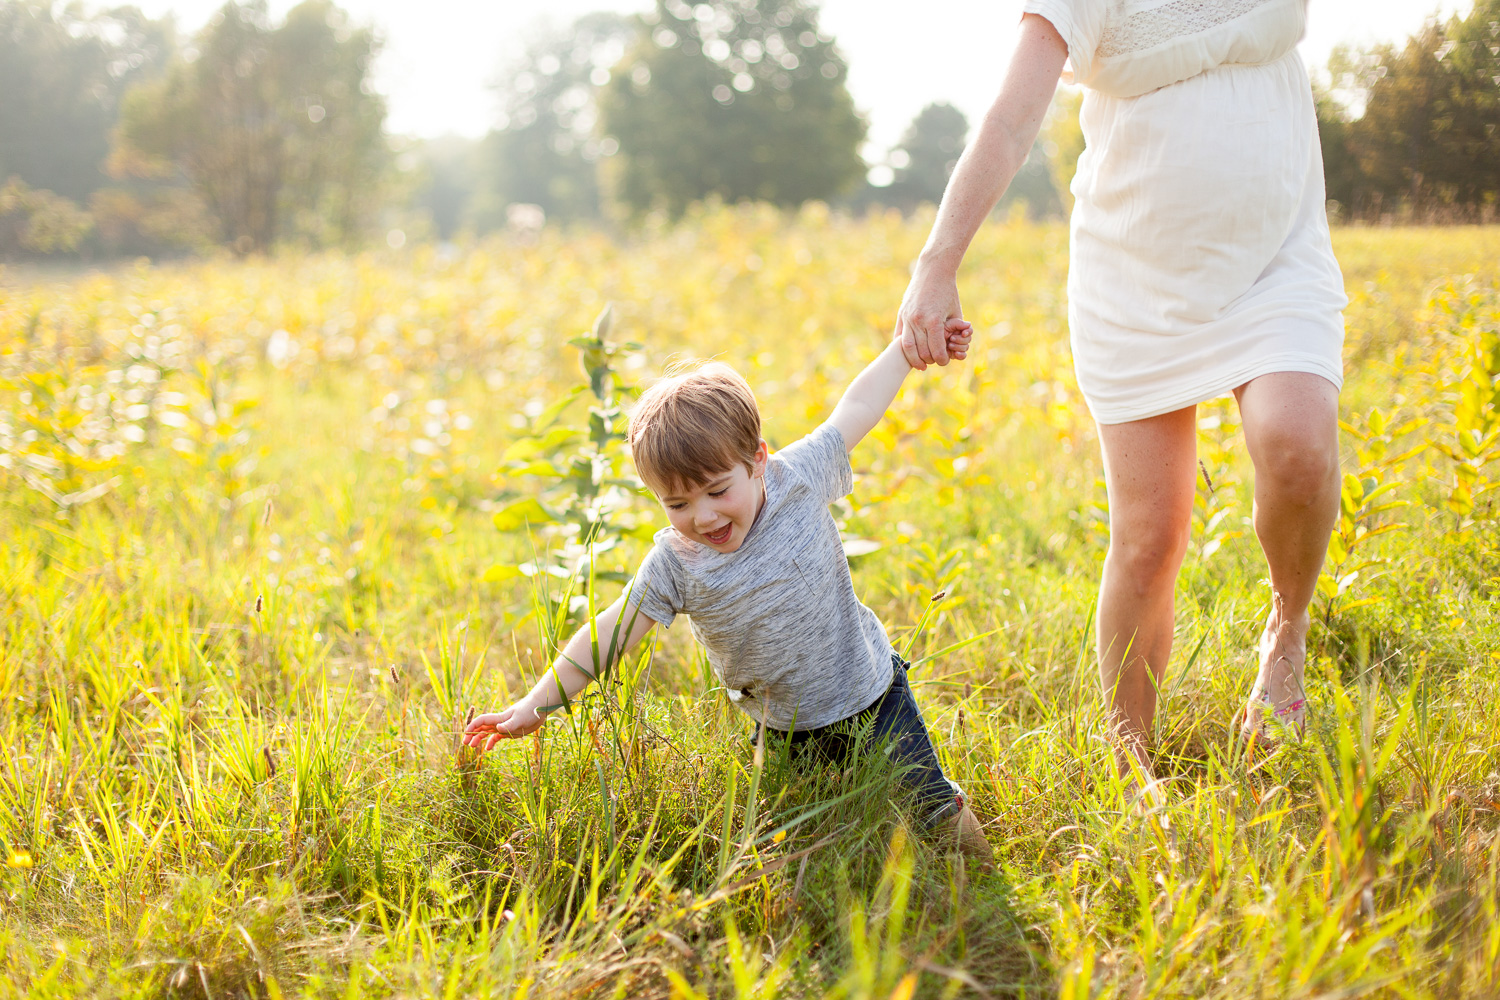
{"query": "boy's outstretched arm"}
(575, 667)
(865, 401)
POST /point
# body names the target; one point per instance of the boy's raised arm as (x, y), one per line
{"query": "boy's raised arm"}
(865, 401)
(575, 667)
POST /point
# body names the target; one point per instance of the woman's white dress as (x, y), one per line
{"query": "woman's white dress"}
(1200, 249)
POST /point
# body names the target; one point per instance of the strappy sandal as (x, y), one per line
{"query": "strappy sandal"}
(1262, 723)
(1265, 725)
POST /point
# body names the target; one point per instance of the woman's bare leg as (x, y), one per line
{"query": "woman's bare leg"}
(1291, 429)
(1149, 470)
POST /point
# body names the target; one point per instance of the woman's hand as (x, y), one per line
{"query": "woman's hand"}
(929, 310)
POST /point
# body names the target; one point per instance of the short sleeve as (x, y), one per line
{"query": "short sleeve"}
(1081, 25)
(655, 589)
(822, 461)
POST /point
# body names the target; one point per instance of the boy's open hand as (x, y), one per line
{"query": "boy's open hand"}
(513, 723)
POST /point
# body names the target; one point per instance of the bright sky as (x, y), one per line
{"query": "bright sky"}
(441, 56)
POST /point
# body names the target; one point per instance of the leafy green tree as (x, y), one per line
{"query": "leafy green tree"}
(928, 152)
(62, 73)
(1393, 140)
(1341, 173)
(1428, 137)
(39, 221)
(1466, 126)
(276, 128)
(545, 151)
(741, 99)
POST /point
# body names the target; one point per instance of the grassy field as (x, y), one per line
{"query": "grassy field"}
(265, 545)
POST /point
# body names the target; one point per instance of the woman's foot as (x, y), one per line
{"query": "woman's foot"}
(1132, 763)
(1278, 701)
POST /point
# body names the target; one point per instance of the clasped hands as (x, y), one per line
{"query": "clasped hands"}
(930, 326)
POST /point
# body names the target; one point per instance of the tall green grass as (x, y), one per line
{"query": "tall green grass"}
(232, 678)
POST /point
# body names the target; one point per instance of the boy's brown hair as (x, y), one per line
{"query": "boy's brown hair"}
(692, 425)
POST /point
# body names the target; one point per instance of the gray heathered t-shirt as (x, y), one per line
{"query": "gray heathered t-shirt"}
(778, 616)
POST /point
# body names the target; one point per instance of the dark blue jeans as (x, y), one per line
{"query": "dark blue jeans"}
(893, 724)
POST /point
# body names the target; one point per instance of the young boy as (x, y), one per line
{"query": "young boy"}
(754, 557)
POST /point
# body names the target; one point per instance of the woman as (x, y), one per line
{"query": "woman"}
(1200, 265)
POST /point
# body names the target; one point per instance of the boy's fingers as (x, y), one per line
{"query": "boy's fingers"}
(485, 731)
(487, 722)
(489, 740)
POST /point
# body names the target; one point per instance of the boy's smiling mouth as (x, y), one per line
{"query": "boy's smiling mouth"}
(719, 537)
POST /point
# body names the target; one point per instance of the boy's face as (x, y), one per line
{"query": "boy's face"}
(720, 512)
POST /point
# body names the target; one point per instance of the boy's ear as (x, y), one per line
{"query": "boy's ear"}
(758, 464)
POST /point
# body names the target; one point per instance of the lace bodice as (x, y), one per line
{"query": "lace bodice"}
(1125, 48)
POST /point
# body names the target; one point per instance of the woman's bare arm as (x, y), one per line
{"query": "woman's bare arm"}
(984, 171)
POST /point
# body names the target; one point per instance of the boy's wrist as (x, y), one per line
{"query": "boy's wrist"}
(894, 347)
(535, 705)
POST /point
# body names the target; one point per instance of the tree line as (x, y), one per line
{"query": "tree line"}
(741, 100)
(120, 136)
(126, 138)
(1413, 130)
(117, 138)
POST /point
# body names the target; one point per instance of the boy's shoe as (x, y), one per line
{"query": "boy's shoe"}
(963, 832)
(954, 826)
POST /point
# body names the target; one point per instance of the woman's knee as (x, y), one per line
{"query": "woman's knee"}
(1292, 468)
(1291, 426)
(1150, 553)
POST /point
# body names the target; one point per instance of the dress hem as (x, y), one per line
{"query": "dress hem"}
(1221, 385)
